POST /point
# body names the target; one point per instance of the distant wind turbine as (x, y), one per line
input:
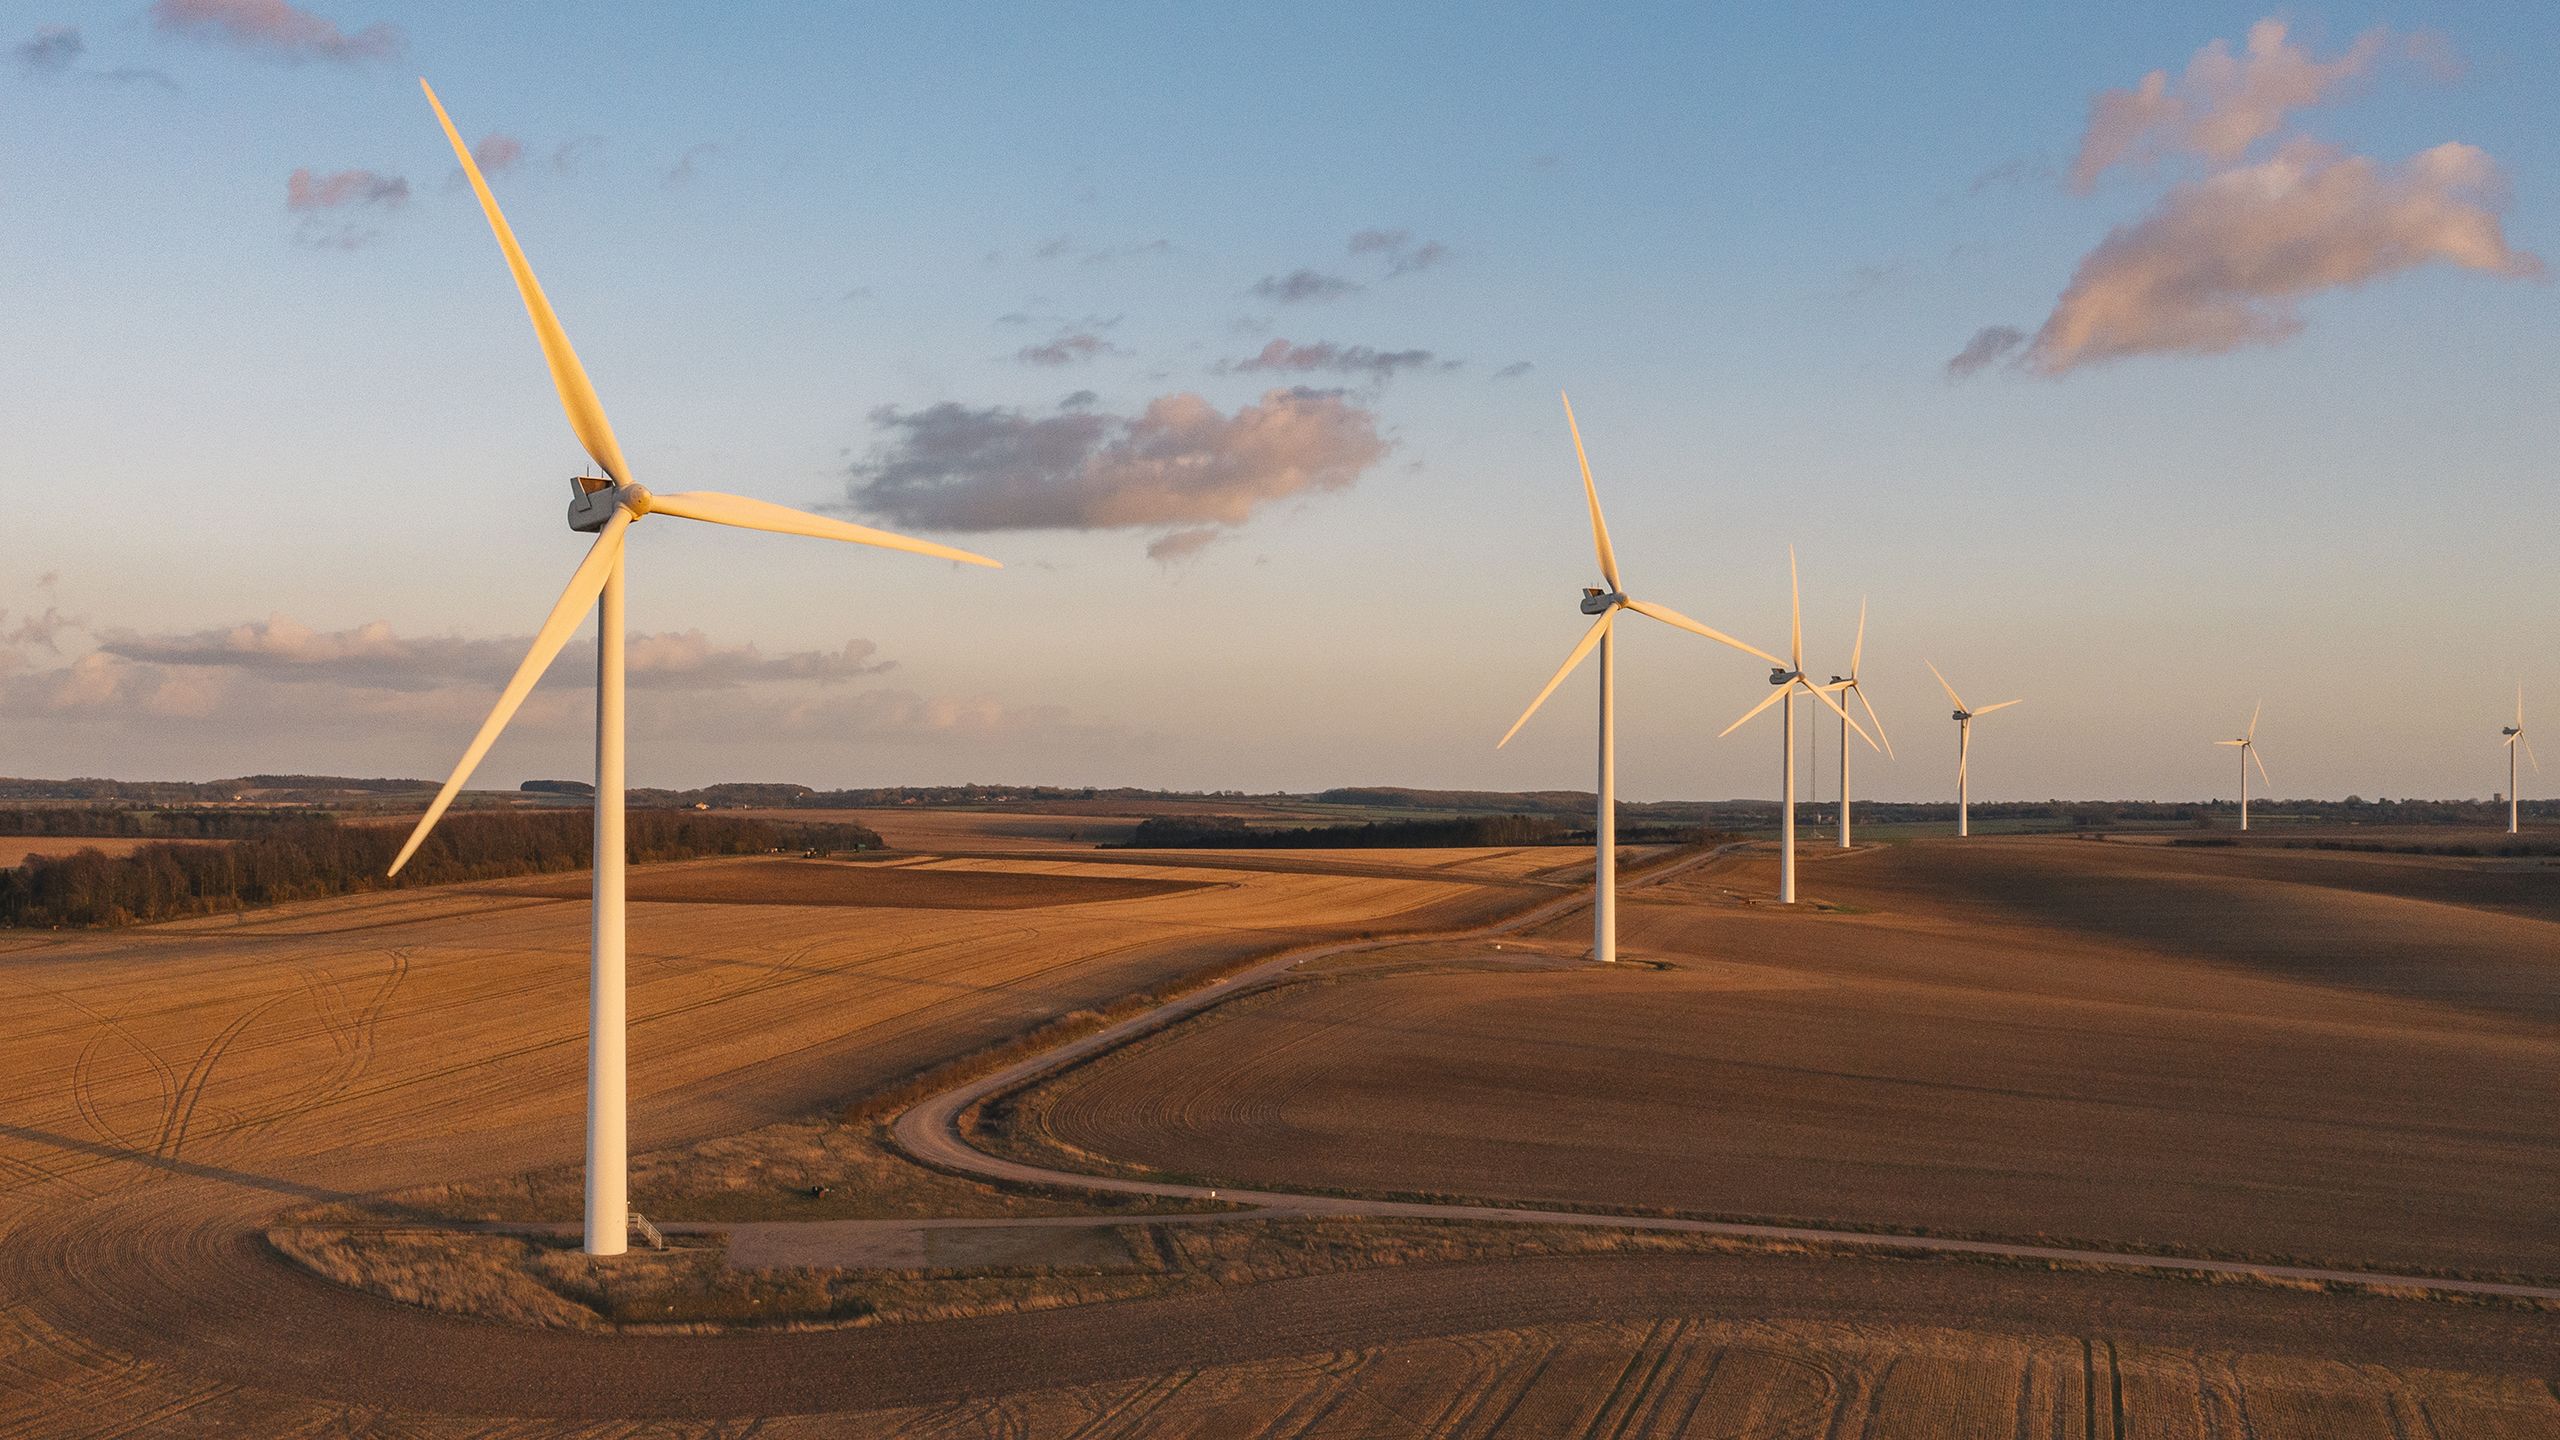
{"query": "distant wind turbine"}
(1964, 743)
(2248, 746)
(1606, 604)
(607, 508)
(1849, 684)
(1787, 679)
(2516, 742)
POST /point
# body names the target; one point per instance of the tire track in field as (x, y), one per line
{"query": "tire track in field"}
(83, 1073)
(173, 1130)
(1126, 1416)
(351, 1033)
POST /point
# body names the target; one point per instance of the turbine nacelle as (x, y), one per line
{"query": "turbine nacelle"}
(1960, 715)
(593, 501)
(1780, 675)
(1596, 601)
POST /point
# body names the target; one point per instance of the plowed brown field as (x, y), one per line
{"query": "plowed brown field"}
(2019, 1038)
(888, 886)
(164, 1091)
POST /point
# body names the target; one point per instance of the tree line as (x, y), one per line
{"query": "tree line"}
(155, 823)
(310, 857)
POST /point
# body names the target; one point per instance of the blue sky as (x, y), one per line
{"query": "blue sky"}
(1748, 242)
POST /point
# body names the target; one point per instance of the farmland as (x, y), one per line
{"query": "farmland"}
(18, 849)
(2134, 1046)
(2337, 1057)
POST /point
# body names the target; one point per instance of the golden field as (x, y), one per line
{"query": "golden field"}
(2272, 1054)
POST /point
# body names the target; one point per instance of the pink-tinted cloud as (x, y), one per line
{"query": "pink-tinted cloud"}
(54, 49)
(2225, 103)
(1181, 464)
(276, 27)
(285, 681)
(497, 154)
(1328, 357)
(1183, 544)
(1300, 286)
(1398, 249)
(46, 630)
(1989, 344)
(1068, 349)
(305, 192)
(2224, 261)
(373, 656)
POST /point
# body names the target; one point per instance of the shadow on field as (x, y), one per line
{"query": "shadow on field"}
(173, 1165)
(2443, 935)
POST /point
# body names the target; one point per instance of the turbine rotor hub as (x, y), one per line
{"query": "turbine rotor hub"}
(592, 502)
(1601, 602)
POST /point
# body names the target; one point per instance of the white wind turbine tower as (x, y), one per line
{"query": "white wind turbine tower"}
(1849, 683)
(1603, 634)
(2248, 746)
(1964, 744)
(1788, 678)
(607, 507)
(2516, 742)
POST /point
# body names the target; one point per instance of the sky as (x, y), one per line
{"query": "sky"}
(2141, 366)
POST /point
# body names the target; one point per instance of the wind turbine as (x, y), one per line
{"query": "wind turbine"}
(606, 507)
(1849, 683)
(2516, 742)
(1787, 680)
(1603, 634)
(1964, 741)
(2248, 745)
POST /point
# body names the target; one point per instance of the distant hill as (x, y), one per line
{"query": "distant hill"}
(1350, 804)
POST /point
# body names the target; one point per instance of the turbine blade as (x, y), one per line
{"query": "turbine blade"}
(719, 509)
(1776, 694)
(1590, 638)
(2262, 766)
(1669, 616)
(566, 615)
(1869, 706)
(2253, 719)
(1795, 615)
(1859, 647)
(2230, 742)
(1591, 492)
(586, 412)
(1824, 694)
(1987, 709)
(2528, 754)
(1943, 685)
